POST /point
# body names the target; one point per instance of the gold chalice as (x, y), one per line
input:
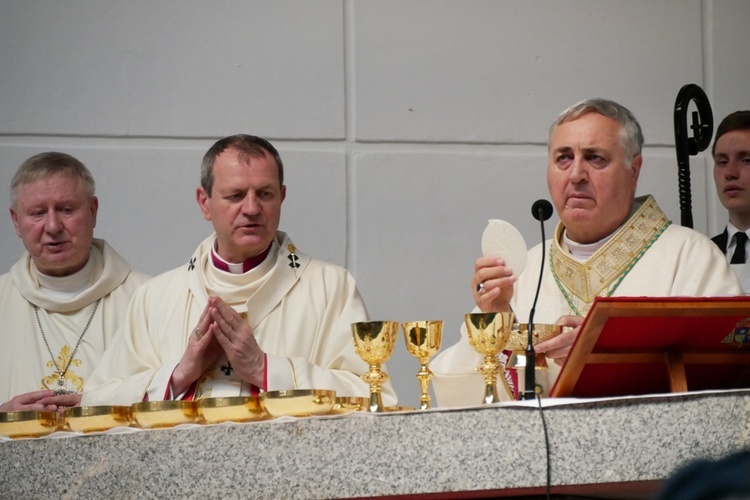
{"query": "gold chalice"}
(519, 338)
(423, 342)
(488, 335)
(374, 342)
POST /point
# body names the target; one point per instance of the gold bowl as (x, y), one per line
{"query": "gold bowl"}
(153, 414)
(344, 405)
(519, 335)
(97, 418)
(18, 424)
(231, 409)
(399, 408)
(298, 402)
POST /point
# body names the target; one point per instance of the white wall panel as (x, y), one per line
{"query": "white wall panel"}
(493, 71)
(728, 44)
(419, 221)
(172, 68)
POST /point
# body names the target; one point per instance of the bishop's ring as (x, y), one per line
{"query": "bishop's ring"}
(480, 288)
(197, 332)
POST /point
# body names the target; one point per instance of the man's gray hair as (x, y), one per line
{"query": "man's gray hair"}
(631, 135)
(44, 165)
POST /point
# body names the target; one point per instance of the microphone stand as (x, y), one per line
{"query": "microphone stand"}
(529, 391)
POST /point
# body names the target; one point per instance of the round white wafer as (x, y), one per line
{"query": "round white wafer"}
(501, 239)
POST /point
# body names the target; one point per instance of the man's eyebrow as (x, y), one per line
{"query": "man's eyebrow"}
(594, 150)
(743, 152)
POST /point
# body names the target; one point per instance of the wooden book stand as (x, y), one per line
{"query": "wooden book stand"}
(645, 345)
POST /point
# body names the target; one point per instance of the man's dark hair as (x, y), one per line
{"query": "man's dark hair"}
(739, 120)
(249, 146)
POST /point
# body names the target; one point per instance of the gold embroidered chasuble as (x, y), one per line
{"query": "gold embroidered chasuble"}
(581, 282)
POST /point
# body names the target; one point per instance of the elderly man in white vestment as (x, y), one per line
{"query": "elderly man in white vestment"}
(62, 302)
(247, 312)
(608, 243)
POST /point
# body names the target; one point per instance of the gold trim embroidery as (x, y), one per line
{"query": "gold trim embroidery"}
(603, 271)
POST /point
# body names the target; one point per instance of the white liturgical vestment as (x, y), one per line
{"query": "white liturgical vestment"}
(300, 310)
(26, 364)
(647, 256)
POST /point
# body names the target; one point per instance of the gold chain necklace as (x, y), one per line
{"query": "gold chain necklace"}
(61, 373)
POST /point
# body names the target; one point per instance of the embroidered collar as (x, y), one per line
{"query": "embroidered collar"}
(601, 274)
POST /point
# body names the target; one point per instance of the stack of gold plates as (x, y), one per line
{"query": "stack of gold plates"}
(519, 335)
(97, 418)
(345, 405)
(232, 409)
(18, 424)
(298, 403)
(154, 414)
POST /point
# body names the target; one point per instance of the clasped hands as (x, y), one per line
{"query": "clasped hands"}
(220, 330)
(492, 287)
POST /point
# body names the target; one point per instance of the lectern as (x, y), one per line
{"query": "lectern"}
(645, 345)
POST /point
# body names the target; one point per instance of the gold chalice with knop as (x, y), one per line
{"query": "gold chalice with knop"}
(488, 335)
(374, 342)
(423, 342)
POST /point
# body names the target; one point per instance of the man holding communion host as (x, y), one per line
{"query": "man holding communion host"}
(731, 152)
(247, 312)
(607, 243)
(62, 302)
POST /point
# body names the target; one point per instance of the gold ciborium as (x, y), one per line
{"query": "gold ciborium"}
(374, 342)
(519, 338)
(423, 342)
(488, 335)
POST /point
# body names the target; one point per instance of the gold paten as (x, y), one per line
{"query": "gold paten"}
(344, 405)
(153, 414)
(231, 409)
(97, 418)
(423, 342)
(488, 335)
(19, 424)
(298, 402)
(374, 342)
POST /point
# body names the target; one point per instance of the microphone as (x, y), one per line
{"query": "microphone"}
(541, 210)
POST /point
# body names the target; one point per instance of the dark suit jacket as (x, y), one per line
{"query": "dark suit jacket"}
(721, 240)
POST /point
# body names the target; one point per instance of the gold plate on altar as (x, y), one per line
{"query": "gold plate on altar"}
(519, 335)
(298, 402)
(97, 418)
(231, 409)
(153, 414)
(398, 408)
(343, 405)
(18, 424)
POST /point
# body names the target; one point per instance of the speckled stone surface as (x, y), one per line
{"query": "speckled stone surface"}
(392, 454)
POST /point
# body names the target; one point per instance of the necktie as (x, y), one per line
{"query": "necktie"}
(740, 239)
